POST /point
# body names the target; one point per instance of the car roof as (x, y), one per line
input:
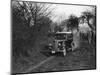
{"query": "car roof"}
(63, 32)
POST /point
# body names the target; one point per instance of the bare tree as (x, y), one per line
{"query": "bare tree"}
(28, 18)
(34, 11)
(89, 16)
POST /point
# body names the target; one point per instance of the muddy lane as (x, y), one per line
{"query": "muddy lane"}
(83, 58)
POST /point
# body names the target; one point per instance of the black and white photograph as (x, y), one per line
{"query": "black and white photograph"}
(52, 37)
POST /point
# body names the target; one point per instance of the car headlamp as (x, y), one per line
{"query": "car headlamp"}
(59, 44)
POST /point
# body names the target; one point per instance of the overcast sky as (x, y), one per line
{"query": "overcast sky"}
(62, 12)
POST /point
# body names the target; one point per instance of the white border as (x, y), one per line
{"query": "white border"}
(5, 29)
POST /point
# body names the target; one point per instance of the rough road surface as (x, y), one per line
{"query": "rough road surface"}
(80, 59)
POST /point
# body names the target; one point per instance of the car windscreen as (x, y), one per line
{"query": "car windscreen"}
(60, 36)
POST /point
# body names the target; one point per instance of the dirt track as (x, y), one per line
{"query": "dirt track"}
(83, 58)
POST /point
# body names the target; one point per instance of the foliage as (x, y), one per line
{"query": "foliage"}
(72, 22)
(29, 21)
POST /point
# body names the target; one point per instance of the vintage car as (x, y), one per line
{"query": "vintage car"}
(62, 43)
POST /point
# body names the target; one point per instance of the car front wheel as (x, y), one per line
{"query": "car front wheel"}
(64, 52)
